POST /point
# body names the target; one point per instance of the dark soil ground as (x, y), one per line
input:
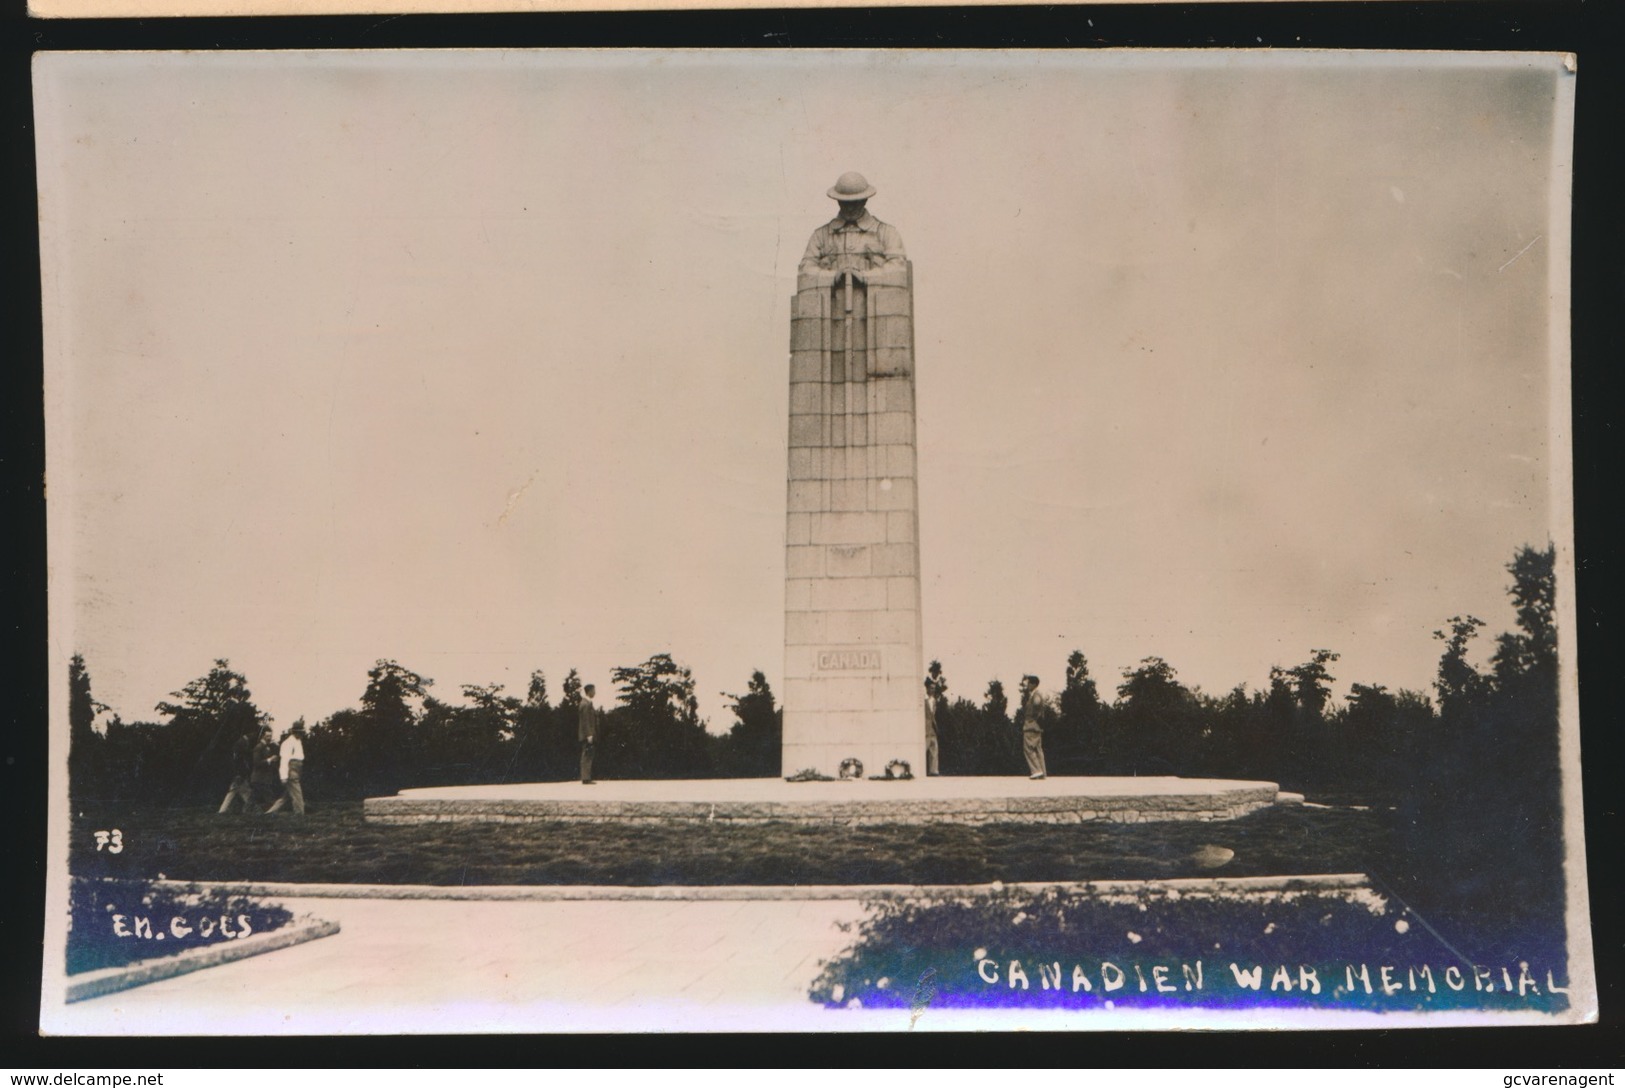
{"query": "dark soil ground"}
(334, 844)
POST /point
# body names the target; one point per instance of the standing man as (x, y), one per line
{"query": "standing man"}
(293, 768)
(933, 701)
(242, 775)
(1033, 706)
(587, 716)
(263, 778)
(854, 241)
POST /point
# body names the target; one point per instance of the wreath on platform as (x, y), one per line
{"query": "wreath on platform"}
(851, 768)
(808, 774)
(897, 770)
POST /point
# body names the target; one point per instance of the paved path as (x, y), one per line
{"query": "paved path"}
(545, 959)
(459, 966)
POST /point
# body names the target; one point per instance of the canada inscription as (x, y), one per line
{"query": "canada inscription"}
(849, 660)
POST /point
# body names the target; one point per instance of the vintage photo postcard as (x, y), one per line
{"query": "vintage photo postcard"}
(552, 541)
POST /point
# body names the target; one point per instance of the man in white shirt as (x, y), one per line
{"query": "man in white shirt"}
(291, 767)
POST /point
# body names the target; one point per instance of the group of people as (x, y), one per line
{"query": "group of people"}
(1030, 716)
(262, 770)
(260, 766)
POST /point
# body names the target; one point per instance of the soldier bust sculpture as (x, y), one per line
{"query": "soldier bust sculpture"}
(854, 241)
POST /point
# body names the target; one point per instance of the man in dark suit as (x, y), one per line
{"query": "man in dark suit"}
(242, 771)
(263, 779)
(1034, 708)
(587, 716)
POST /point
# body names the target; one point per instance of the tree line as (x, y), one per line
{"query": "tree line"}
(401, 735)
(1291, 731)
(1466, 780)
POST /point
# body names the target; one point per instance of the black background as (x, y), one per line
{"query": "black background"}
(1593, 30)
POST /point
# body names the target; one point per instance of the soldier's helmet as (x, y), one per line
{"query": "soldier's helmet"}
(851, 186)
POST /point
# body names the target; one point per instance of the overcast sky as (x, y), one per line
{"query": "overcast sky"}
(478, 360)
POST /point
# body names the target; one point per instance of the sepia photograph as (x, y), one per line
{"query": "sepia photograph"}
(660, 540)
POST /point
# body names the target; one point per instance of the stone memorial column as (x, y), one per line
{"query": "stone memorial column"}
(852, 661)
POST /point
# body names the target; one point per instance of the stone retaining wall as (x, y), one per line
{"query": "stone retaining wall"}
(1228, 886)
(1218, 805)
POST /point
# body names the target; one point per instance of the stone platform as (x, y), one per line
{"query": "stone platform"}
(765, 800)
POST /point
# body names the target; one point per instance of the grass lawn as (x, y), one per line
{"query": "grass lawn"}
(334, 844)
